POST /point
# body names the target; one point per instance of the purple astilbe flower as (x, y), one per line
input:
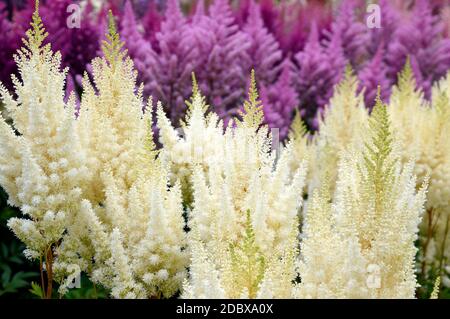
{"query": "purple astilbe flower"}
(354, 34)
(175, 61)
(294, 34)
(222, 78)
(319, 69)
(389, 23)
(10, 36)
(78, 46)
(445, 17)
(264, 50)
(139, 49)
(373, 75)
(290, 23)
(151, 22)
(280, 100)
(421, 38)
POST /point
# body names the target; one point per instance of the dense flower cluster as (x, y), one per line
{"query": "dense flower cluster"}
(223, 209)
(221, 43)
(93, 195)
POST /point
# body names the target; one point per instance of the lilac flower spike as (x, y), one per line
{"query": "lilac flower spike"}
(175, 60)
(224, 75)
(264, 51)
(421, 38)
(389, 23)
(320, 68)
(138, 48)
(372, 76)
(9, 43)
(280, 100)
(355, 36)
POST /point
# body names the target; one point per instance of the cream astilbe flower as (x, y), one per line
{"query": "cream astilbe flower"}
(422, 130)
(408, 111)
(434, 159)
(43, 166)
(244, 214)
(301, 142)
(199, 138)
(239, 269)
(135, 222)
(343, 126)
(375, 218)
(111, 112)
(331, 265)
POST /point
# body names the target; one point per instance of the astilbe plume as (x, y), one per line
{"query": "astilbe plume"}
(289, 22)
(301, 142)
(382, 36)
(342, 126)
(421, 38)
(295, 32)
(9, 43)
(354, 34)
(141, 51)
(264, 50)
(422, 129)
(319, 69)
(363, 241)
(151, 22)
(167, 73)
(137, 230)
(94, 197)
(223, 72)
(373, 76)
(78, 46)
(44, 167)
(279, 108)
(199, 140)
(244, 217)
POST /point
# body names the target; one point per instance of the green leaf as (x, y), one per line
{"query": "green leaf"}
(5, 251)
(36, 290)
(6, 275)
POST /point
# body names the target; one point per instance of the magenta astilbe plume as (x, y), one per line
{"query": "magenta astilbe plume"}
(291, 23)
(320, 68)
(421, 38)
(138, 48)
(354, 34)
(264, 50)
(10, 36)
(280, 100)
(223, 76)
(175, 62)
(389, 23)
(78, 46)
(151, 22)
(372, 76)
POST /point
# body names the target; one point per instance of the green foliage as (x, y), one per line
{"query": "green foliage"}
(87, 290)
(36, 290)
(15, 271)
